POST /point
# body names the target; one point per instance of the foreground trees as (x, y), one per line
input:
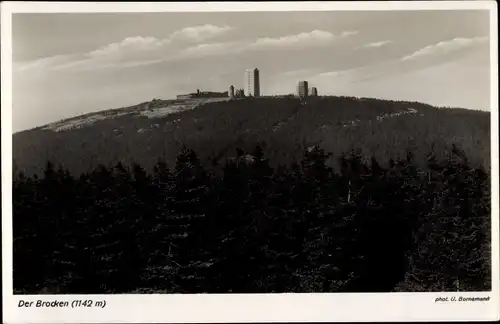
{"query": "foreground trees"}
(253, 229)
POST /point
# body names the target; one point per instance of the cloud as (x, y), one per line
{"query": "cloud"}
(92, 64)
(376, 44)
(336, 73)
(128, 45)
(200, 33)
(42, 63)
(141, 44)
(445, 47)
(345, 75)
(348, 33)
(439, 52)
(202, 50)
(315, 37)
(131, 51)
(140, 51)
(298, 72)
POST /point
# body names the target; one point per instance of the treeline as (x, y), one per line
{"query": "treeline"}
(252, 228)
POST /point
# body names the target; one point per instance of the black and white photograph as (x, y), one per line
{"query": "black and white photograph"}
(250, 152)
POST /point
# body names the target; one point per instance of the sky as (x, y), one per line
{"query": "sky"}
(68, 64)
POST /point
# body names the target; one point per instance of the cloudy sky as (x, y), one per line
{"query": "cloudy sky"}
(69, 64)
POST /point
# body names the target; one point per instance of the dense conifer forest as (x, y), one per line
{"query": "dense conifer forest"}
(255, 225)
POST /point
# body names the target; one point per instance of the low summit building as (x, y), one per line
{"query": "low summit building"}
(203, 94)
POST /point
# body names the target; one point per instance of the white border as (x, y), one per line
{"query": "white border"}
(53, 7)
(242, 308)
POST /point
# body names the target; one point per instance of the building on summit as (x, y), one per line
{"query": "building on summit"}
(240, 93)
(252, 82)
(231, 92)
(251, 89)
(303, 89)
(203, 94)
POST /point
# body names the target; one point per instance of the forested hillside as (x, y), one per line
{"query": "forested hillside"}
(256, 229)
(377, 128)
(255, 196)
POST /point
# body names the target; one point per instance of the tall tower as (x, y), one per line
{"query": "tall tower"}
(303, 89)
(231, 92)
(314, 91)
(252, 82)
